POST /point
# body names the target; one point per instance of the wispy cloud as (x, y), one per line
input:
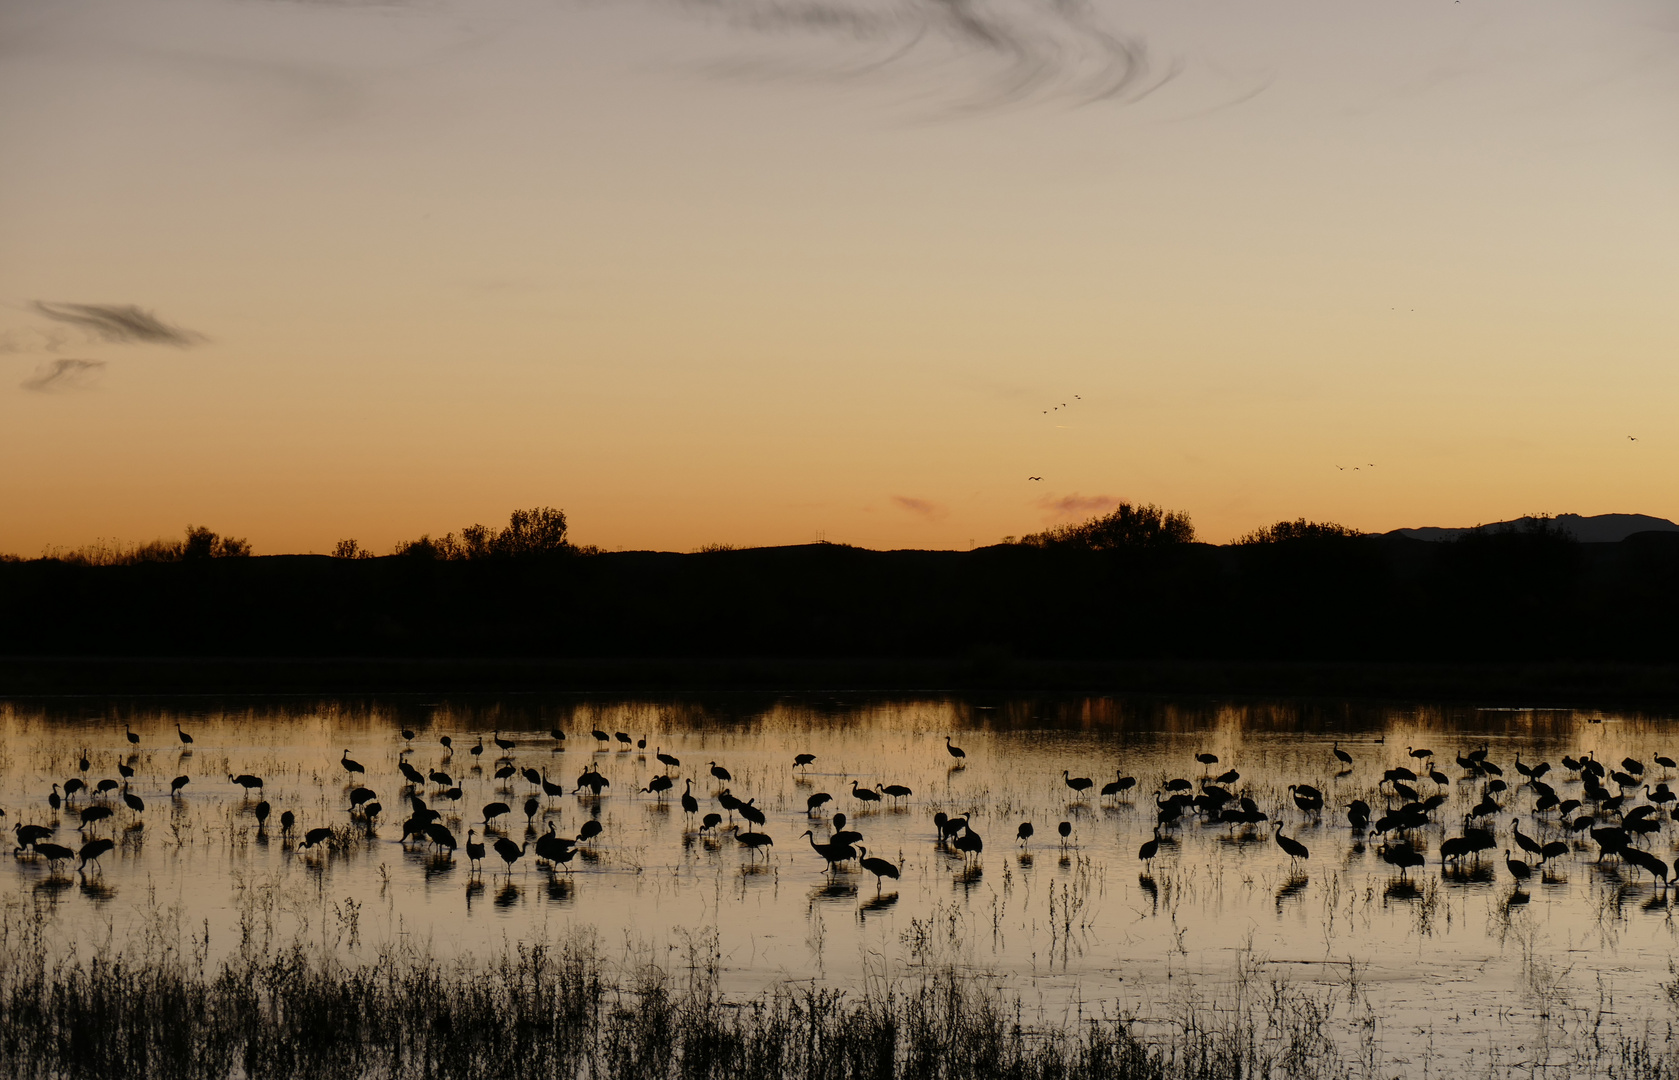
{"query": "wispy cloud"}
(1028, 49)
(1059, 508)
(119, 323)
(65, 374)
(926, 508)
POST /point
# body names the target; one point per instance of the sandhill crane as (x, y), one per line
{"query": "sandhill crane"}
(439, 834)
(1024, 833)
(842, 835)
(1358, 814)
(831, 852)
(801, 761)
(658, 786)
(590, 830)
(624, 738)
(1066, 830)
(1400, 855)
(502, 744)
(186, 740)
(1519, 870)
(954, 751)
(93, 815)
(350, 766)
(510, 853)
(531, 807)
(550, 788)
(247, 781)
(690, 805)
(1341, 755)
(669, 761)
(314, 837)
(559, 738)
(969, 843)
(477, 749)
(1080, 784)
(864, 794)
(1150, 848)
(54, 854)
(495, 810)
(719, 772)
(135, 803)
(474, 849)
(601, 737)
(133, 739)
(91, 851)
(1120, 783)
(448, 745)
(754, 841)
(895, 791)
(1295, 849)
(880, 868)
(817, 801)
(532, 777)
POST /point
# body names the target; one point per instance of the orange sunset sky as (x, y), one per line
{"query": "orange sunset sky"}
(754, 272)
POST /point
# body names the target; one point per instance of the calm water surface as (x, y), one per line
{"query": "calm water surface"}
(1437, 969)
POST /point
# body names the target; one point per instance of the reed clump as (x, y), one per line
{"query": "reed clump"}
(562, 1010)
(553, 1010)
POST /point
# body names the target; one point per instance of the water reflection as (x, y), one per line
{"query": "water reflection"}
(1216, 885)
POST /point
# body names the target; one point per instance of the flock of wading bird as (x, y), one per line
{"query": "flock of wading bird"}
(1617, 821)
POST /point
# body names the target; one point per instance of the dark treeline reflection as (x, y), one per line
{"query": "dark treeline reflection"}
(1315, 595)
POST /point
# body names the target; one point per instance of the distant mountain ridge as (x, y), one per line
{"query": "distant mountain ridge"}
(1596, 529)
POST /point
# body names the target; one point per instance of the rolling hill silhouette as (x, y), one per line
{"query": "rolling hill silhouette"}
(1595, 529)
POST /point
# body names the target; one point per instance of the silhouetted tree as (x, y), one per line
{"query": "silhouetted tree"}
(538, 531)
(1298, 529)
(1127, 526)
(202, 543)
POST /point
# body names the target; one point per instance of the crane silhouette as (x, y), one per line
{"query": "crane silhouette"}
(1294, 848)
(880, 868)
(510, 853)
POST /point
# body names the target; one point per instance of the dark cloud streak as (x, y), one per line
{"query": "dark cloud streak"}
(1036, 49)
(119, 323)
(64, 374)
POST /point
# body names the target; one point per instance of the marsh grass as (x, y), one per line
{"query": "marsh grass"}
(563, 1010)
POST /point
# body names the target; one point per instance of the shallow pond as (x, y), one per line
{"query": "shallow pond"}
(1440, 968)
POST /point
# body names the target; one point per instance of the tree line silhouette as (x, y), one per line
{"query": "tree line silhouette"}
(1131, 584)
